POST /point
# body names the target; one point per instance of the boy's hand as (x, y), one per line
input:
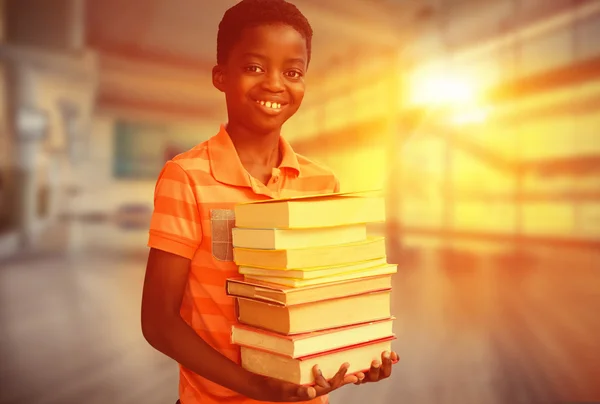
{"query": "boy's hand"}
(380, 370)
(279, 391)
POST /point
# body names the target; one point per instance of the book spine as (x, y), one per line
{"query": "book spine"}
(322, 353)
(257, 299)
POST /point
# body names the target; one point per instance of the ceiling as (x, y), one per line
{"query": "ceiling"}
(156, 55)
(184, 31)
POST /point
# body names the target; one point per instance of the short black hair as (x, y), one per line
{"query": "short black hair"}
(252, 13)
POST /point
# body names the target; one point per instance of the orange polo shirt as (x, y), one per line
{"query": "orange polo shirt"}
(193, 216)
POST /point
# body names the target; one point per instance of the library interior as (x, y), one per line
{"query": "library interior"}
(479, 121)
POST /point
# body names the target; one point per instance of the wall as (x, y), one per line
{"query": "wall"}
(100, 190)
(102, 195)
(5, 146)
(52, 25)
(41, 81)
(470, 187)
(343, 122)
(552, 124)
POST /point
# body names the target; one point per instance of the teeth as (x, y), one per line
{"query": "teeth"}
(269, 104)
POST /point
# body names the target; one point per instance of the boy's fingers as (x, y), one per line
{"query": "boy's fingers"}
(386, 367)
(350, 379)
(338, 379)
(373, 374)
(319, 379)
(360, 377)
(306, 393)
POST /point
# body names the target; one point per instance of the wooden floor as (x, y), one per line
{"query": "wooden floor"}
(504, 333)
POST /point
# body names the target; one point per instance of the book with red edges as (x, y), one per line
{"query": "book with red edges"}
(286, 295)
(299, 345)
(315, 316)
(299, 370)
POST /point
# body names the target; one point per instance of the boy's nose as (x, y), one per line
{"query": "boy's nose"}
(273, 82)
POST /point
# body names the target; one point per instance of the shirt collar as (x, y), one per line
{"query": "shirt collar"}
(289, 157)
(226, 166)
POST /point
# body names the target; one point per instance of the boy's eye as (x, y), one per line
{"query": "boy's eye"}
(294, 74)
(254, 69)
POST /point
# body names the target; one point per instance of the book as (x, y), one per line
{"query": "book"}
(387, 269)
(296, 346)
(312, 272)
(278, 239)
(299, 370)
(314, 286)
(310, 212)
(331, 255)
(314, 316)
(285, 295)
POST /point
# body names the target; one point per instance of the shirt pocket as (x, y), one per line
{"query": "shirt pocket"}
(222, 222)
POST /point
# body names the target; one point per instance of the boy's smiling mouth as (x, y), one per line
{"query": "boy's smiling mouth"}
(270, 107)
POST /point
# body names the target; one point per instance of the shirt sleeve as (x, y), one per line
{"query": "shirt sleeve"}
(176, 225)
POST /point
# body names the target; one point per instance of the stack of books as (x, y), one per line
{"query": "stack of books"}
(314, 287)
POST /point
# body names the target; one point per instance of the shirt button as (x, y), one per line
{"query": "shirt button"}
(275, 180)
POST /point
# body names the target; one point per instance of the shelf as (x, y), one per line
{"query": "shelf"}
(155, 108)
(522, 240)
(573, 106)
(572, 75)
(571, 166)
(412, 118)
(485, 154)
(350, 137)
(528, 197)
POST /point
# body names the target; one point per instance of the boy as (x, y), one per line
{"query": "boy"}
(263, 51)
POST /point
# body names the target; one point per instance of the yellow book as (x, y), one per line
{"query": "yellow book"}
(286, 295)
(299, 370)
(310, 212)
(300, 283)
(277, 239)
(315, 316)
(299, 345)
(312, 272)
(372, 248)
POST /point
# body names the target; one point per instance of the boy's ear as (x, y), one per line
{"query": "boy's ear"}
(218, 78)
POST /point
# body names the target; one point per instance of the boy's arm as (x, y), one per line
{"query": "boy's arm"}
(175, 234)
(165, 330)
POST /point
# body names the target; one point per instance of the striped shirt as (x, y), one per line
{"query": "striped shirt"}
(193, 216)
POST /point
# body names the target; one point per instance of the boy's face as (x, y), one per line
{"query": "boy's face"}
(263, 79)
